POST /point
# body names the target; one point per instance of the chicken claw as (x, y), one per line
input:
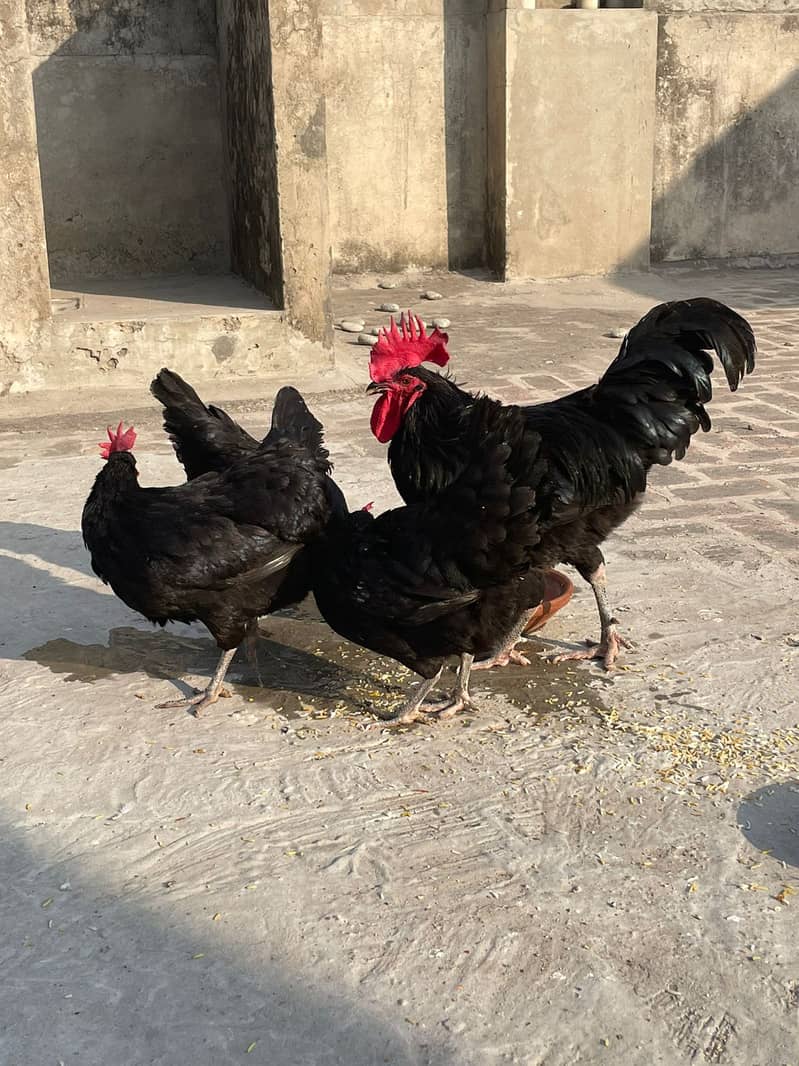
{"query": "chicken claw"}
(210, 694)
(503, 659)
(199, 701)
(607, 650)
(451, 707)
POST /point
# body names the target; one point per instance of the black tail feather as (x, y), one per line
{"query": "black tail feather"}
(205, 438)
(655, 390)
(693, 326)
(291, 418)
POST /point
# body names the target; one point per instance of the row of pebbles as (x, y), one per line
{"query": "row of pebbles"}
(367, 337)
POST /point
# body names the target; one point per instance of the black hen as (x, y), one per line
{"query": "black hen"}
(223, 548)
(206, 438)
(448, 576)
(597, 444)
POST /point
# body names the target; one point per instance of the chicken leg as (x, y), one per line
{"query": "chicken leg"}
(209, 695)
(251, 650)
(415, 706)
(507, 653)
(461, 700)
(610, 643)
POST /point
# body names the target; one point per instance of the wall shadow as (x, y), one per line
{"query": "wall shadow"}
(157, 152)
(114, 969)
(736, 205)
(75, 631)
(465, 117)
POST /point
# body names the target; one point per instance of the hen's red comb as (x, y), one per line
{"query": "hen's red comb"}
(118, 441)
(408, 344)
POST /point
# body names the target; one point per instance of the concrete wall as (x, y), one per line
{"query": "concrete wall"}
(727, 145)
(580, 126)
(405, 132)
(130, 138)
(249, 119)
(24, 284)
(722, 7)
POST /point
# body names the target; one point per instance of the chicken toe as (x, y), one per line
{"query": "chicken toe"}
(607, 650)
(209, 695)
(417, 705)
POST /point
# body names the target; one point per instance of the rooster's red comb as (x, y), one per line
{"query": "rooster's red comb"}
(118, 441)
(408, 344)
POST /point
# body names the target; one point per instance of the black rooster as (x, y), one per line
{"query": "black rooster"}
(597, 445)
(223, 548)
(448, 576)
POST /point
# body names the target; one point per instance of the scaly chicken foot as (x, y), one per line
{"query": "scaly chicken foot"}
(607, 649)
(460, 699)
(610, 642)
(503, 659)
(507, 653)
(209, 695)
(416, 706)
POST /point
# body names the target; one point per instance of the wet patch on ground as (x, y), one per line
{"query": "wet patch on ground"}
(308, 671)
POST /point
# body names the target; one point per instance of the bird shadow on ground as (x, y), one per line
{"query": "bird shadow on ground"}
(46, 578)
(52, 596)
(290, 677)
(769, 819)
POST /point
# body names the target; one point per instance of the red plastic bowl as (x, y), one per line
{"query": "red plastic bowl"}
(558, 591)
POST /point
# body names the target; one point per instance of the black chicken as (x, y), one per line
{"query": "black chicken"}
(207, 439)
(223, 548)
(597, 445)
(443, 577)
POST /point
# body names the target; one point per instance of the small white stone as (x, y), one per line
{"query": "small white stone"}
(391, 308)
(387, 284)
(441, 323)
(351, 325)
(375, 332)
(617, 334)
(431, 294)
(366, 339)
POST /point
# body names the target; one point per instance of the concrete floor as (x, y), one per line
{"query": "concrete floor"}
(170, 296)
(591, 869)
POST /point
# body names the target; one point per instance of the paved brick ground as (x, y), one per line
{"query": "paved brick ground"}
(739, 483)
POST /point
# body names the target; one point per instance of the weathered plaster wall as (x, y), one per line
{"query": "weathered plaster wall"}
(130, 139)
(725, 7)
(24, 285)
(496, 138)
(406, 95)
(302, 175)
(727, 145)
(249, 119)
(580, 125)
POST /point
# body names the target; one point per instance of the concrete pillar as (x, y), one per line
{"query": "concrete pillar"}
(24, 281)
(571, 135)
(497, 135)
(299, 115)
(274, 106)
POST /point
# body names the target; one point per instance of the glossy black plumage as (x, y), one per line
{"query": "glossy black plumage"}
(447, 576)
(596, 444)
(207, 439)
(225, 547)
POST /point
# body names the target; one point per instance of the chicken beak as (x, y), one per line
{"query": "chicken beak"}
(375, 386)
